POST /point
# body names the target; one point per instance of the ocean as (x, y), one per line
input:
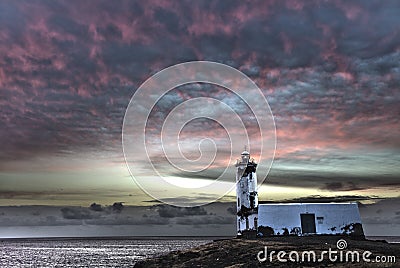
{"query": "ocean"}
(87, 252)
(95, 252)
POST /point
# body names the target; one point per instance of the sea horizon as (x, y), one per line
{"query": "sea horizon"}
(389, 239)
(119, 238)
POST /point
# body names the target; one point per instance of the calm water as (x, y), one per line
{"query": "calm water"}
(85, 253)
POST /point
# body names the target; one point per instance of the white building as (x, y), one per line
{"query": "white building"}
(304, 219)
(288, 218)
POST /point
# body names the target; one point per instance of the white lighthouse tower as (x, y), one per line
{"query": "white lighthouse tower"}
(246, 192)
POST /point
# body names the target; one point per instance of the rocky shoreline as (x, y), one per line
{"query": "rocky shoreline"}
(243, 253)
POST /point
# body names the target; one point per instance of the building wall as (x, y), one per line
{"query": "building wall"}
(245, 186)
(242, 192)
(242, 223)
(330, 218)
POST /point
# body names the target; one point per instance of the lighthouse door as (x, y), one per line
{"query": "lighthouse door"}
(308, 223)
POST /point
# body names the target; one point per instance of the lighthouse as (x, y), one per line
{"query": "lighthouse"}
(246, 192)
(288, 218)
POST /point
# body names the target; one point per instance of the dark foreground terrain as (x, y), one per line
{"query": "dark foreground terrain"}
(243, 253)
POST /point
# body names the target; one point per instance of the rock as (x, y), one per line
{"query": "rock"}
(235, 253)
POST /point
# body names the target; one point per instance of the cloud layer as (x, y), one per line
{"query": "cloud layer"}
(330, 71)
(214, 219)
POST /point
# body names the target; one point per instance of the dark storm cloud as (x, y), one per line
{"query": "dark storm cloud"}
(379, 35)
(96, 207)
(339, 186)
(283, 39)
(41, 194)
(67, 25)
(131, 215)
(129, 220)
(94, 211)
(110, 32)
(331, 180)
(205, 220)
(167, 211)
(112, 215)
(326, 199)
(170, 20)
(51, 216)
(72, 213)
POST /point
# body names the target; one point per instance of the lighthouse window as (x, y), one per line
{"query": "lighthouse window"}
(252, 201)
(320, 220)
(238, 202)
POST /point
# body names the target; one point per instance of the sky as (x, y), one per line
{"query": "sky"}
(330, 72)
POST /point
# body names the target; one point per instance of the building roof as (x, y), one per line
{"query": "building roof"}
(297, 204)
